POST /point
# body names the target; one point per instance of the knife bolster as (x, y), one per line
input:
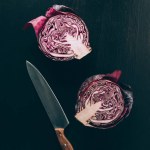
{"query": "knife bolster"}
(65, 144)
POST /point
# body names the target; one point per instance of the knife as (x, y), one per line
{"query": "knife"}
(51, 105)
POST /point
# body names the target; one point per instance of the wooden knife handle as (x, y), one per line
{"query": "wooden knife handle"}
(65, 144)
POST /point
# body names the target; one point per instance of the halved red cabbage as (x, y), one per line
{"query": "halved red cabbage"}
(102, 101)
(61, 34)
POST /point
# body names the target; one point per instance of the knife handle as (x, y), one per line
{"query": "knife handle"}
(65, 144)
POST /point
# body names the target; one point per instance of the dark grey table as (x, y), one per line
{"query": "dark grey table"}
(120, 39)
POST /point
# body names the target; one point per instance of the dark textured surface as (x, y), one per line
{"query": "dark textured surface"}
(120, 38)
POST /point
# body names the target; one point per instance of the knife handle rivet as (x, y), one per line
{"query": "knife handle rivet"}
(65, 145)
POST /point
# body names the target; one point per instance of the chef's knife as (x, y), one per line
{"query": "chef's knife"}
(51, 105)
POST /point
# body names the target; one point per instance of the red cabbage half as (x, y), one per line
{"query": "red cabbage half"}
(102, 101)
(61, 34)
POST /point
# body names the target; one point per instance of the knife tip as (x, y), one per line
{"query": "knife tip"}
(27, 62)
(30, 66)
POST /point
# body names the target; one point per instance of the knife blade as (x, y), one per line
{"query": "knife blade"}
(51, 104)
